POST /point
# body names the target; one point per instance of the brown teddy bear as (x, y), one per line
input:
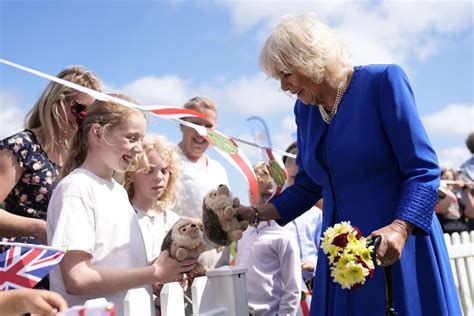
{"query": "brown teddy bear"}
(185, 240)
(220, 224)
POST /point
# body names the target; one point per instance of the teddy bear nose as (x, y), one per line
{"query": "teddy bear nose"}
(220, 185)
(193, 225)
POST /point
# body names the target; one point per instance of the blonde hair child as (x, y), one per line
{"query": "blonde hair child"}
(152, 183)
(90, 215)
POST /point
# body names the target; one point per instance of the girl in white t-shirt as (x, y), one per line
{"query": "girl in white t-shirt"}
(151, 183)
(90, 215)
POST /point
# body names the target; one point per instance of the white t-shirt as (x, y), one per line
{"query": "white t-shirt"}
(154, 227)
(272, 259)
(197, 181)
(93, 215)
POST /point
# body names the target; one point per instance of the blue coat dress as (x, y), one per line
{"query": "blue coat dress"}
(372, 164)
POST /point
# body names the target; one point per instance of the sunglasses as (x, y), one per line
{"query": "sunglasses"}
(77, 107)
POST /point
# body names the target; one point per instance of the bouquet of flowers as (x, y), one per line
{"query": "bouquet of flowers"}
(349, 254)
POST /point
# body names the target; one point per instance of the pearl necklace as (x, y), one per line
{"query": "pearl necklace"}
(327, 117)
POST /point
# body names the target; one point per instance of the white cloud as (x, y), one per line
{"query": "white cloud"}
(383, 32)
(11, 120)
(285, 134)
(254, 95)
(453, 157)
(453, 120)
(151, 90)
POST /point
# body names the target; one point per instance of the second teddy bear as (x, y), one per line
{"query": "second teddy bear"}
(220, 224)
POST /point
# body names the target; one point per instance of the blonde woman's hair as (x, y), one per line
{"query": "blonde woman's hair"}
(108, 115)
(307, 45)
(167, 151)
(197, 102)
(45, 115)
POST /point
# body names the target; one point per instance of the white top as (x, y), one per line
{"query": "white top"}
(93, 215)
(274, 276)
(306, 229)
(196, 182)
(154, 227)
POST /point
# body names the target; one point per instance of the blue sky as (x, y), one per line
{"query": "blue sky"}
(165, 52)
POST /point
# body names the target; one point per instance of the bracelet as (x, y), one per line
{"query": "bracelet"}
(258, 217)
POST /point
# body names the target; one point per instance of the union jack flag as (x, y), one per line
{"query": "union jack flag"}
(24, 265)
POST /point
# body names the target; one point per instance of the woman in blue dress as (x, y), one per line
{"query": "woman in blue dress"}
(363, 149)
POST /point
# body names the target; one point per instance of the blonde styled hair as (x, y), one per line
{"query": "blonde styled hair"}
(167, 151)
(108, 115)
(197, 102)
(45, 115)
(307, 45)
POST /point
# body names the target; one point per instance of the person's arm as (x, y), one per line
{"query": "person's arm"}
(416, 159)
(468, 200)
(290, 274)
(81, 277)
(442, 205)
(21, 301)
(12, 225)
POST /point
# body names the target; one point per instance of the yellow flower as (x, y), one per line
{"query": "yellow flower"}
(340, 277)
(356, 273)
(351, 260)
(345, 259)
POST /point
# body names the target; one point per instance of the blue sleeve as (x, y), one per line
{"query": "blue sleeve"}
(416, 158)
(301, 196)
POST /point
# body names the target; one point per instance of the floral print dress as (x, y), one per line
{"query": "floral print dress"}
(30, 196)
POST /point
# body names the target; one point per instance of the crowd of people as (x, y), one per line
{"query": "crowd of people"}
(83, 176)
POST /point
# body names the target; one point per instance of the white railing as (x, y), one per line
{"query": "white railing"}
(461, 254)
(223, 292)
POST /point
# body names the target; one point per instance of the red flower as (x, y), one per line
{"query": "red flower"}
(340, 240)
(359, 233)
(371, 271)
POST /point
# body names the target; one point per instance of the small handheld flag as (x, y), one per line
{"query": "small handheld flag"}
(24, 265)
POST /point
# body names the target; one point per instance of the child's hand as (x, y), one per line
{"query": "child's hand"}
(168, 269)
(307, 266)
(40, 302)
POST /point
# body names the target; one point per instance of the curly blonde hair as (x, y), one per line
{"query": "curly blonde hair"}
(307, 45)
(167, 150)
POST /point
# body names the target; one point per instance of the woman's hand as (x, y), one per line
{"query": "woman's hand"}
(40, 228)
(244, 213)
(168, 269)
(393, 240)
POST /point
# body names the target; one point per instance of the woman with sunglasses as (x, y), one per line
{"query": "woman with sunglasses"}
(30, 160)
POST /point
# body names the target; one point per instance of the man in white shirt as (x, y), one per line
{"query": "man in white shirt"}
(201, 174)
